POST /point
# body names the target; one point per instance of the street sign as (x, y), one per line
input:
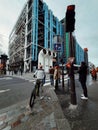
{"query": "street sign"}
(57, 47)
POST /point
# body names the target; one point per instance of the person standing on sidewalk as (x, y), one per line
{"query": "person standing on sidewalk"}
(51, 72)
(94, 73)
(57, 74)
(82, 78)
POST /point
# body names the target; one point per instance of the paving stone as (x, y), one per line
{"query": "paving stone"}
(8, 119)
(62, 124)
(53, 95)
(21, 116)
(14, 113)
(54, 128)
(22, 126)
(24, 119)
(27, 112)
(1, 122)
(3, 116)
(7, 128)
(2, 125)
(52, 120)
(16, 123)
(40, 126)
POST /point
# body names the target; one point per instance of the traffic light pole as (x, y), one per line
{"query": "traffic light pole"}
(70, 22)
(62, 71)
(72, 80)
(62, 76)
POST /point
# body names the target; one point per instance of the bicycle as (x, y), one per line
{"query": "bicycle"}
(35, 93)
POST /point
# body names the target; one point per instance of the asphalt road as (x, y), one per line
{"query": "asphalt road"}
(14, 90)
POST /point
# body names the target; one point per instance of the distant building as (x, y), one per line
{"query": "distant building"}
(3, 61)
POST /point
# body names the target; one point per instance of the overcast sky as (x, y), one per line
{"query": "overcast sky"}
(86, 26)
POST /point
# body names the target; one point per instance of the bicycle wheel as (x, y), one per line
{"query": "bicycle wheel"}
(32, 98)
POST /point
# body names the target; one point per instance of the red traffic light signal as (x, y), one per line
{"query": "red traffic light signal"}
(70, 18)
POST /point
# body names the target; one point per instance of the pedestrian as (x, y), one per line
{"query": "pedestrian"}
(21, 70)
(57, 74)
(40, 75)
(9, 69)
(51, 72)
(44, 79)
(27, 69)
(82, 78)
(94, 73)
(40, 65)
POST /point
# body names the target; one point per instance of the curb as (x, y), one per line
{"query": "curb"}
(12, 116)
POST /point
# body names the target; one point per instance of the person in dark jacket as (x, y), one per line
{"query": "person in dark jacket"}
(51, 72)
(82, 78)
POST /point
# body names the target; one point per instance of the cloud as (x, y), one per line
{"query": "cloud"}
(9, 13)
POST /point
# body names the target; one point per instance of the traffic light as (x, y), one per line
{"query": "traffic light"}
(70, 18)
(4, 57)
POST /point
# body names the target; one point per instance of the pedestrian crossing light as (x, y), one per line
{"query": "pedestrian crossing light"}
(70, 18)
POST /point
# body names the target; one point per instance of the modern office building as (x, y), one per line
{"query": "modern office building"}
(17, 42)
(34, 32)
(32, 39)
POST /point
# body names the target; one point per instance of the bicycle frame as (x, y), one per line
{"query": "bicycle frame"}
(35, 92)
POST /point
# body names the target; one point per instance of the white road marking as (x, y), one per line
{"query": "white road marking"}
(3, 91)
(6, 78)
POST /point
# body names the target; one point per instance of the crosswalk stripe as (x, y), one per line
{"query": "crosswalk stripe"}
(6, 90)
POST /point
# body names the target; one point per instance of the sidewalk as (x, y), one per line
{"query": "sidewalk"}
(85, 116)
(46, 114)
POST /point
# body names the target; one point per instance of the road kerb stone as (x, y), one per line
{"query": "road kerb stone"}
(7, 128)
(2, 125)
(3, 116)
(15, 123)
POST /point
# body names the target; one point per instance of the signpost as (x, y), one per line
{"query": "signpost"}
(57, 47)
